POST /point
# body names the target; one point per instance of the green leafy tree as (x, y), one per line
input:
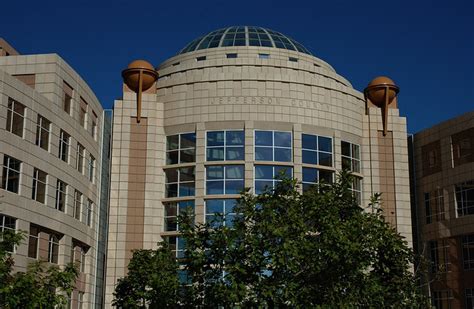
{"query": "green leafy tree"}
(318, 249)
(41, 286)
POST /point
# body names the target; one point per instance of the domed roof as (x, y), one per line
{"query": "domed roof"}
(244, 36)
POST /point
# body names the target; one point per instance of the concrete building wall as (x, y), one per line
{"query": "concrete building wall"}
(37, 82)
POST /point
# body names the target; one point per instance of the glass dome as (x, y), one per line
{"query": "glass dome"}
(244, 36)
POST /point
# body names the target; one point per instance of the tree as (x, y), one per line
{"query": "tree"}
(287, 249)
(41, 286)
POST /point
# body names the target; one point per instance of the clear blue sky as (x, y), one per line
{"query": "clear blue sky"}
(426, 47)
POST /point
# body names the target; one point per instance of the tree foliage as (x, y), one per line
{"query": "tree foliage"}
(287, 249)
(41, 286)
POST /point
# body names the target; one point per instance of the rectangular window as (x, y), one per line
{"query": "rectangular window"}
(201, 58)
(83, 113)
(442, 299)
(67, 99)
(293, 59)
(77, 205)
(38, 192)
(264, 56)
(80, 153)
(224, 179)
(434, 206)
(43, 127)
(53, 249)
(91, 168)
(231, 56)
(177, 245)
(465, 198)
(173, 210)
(350, 156)
(181, 148)
(220, 212)
(11, 174)
(93, 127)
(469, 298)
(463, 147)
(33, 242)
(89, 213)
(468, 251)
(317, 149)
(15, 117)
(273, 146)
(356, 189)
(8, 223)
(64, 140)
(225, 145)
(80, 300)
(82, 260)
(180, 182)
(313, 176)
(266, 176)
(60, 195)
(439, 256)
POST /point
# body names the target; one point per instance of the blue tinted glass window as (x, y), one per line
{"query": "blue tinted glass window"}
(179, 182)
(273, 146)
(317, 150)
(266, 176)
(173, 210)
(181, 148)
(312, 176)
(225, 145)
(220, 212)
(224, 179)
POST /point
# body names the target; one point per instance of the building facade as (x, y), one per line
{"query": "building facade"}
(443, 174)
(52, 133)
(231, 110)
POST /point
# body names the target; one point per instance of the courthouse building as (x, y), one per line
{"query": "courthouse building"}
(54, 138)
(230, 110)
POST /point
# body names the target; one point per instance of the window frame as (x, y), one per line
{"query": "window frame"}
(179, 149)
(52, 244)
(273, 147)
(467, 247)
(351, 157)
(173, 219)
(91, 169)
(3, 227)
(61, 195)
(225, 145)
(36, 237)
(317, 151)
(464, 206)
(64, 145)
(8, 171)
(224, 178)
(36, 184)
(13, 116)
(273, 180)
(224, 222)
(77, 211)
(40, 129)
(179, 182)
(80, 157)
(318, 177)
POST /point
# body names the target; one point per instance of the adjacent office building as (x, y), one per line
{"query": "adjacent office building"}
(443, 178)
(54, 182)
(230, 110)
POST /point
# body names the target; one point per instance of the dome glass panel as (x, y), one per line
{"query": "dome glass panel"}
(244, 36)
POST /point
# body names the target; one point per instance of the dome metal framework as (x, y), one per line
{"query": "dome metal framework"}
(244, 36)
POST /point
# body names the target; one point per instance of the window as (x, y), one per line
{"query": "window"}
(201, 58)
(431, 155)
(67, 100)
(225, 145)
(11, 174)
(465, 198)
(434, 206)
(468, 251)
(53, 249)
(93, 125)
(265, 176)
(8, 223)
(82, 260)
(89, 212)
(317, 149)
(38, 192)
(180, 182)
(77, 205)
(356, 189)
(264, 56)
(273, 146)
(312, 176)
(224, 179)
(83, 113)
(469, 298)
(463, 147)
(91, 168)
(64, 139)
(60, 195)
(293, 59)
(173, 210)
(177, 245)
(442, 299)
(181, 148)
(231, 56)
(439, 256)
(80, 300)
(42, 132)
(350, 156)
(80, 152)
(220, 212)
(15, 117)
(33, 242)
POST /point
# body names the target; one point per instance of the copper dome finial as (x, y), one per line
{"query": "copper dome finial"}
(139, 76)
